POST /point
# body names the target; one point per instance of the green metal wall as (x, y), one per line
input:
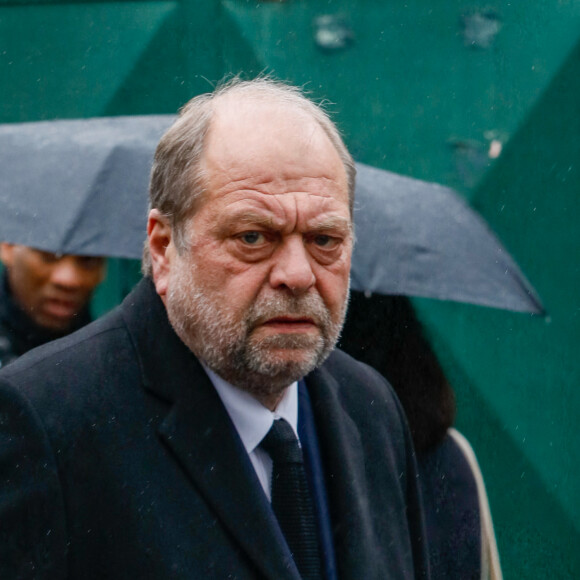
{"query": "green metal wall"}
(415, 95)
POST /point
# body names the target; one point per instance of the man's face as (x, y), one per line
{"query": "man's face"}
(51, 289)
(260, 293)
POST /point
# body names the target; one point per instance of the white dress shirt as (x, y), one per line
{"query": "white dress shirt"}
(253, 421)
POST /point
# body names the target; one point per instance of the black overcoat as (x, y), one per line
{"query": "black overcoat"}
(118, 460)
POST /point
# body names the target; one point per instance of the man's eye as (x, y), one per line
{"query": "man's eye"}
(252, 238)
(48, 257)
(324, 241)
(90, 262)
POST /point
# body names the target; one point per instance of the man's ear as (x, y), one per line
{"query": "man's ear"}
(6, 254)
(161, 248)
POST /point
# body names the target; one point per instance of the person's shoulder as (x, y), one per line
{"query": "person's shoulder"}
(99, 361)
(357, 384)
(347, 370)
(453, 461)
(76, 358)
(367, 398)
(69, 384)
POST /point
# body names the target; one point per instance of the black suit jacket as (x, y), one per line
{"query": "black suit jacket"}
(118, 460)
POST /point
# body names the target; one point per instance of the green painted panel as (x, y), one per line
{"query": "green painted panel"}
(122, 275)
(69, 60)
(408, 85)
(523, 370)
(519, 411)
(158, 80)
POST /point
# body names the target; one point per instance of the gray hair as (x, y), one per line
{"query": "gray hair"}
(177, 180)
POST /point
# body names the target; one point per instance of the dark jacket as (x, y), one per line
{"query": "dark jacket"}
(451, 507)
(18, 333)
(118, 460)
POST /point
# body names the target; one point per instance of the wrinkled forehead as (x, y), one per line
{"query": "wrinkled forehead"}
(261, 135)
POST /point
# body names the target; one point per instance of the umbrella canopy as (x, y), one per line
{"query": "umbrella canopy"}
(79, 187)
(422, 239)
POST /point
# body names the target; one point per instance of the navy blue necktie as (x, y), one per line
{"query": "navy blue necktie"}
(291, 500)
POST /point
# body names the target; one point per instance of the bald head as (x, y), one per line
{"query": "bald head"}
(273, 138)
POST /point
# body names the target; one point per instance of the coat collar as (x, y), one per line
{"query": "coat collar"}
(201, 436)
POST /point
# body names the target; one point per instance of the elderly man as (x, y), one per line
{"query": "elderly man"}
(43, 296)
(207, 428)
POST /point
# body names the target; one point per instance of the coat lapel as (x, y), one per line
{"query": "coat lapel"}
(203, 439)
(344, 468)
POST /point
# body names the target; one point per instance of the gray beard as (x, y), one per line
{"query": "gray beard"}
(227, 346)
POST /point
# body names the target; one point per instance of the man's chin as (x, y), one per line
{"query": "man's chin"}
(291, 345)
(283, 366)
(273, 379)
(54, 324)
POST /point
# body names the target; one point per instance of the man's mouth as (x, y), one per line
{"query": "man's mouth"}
(290, 324)
(61, 308)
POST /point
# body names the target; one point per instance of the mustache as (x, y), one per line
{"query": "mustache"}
(310, 306)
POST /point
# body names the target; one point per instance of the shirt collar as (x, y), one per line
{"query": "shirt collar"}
(251, 419)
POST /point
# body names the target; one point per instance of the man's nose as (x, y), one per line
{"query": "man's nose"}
(68, 274)
(292, 266)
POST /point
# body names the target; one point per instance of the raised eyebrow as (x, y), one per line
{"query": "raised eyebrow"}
(326, 224)
(253, 219)
(331, 223)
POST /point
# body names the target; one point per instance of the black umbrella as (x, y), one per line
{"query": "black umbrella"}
(422, 239)
(79, 187)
